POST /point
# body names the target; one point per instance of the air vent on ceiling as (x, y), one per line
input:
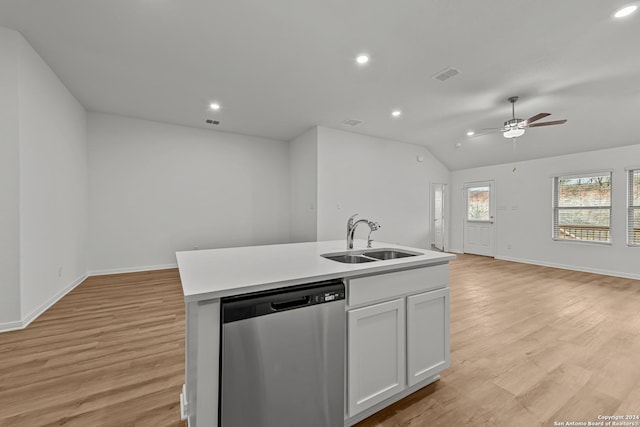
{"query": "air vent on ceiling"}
(446, 74)
(213, 122)
(352, 122)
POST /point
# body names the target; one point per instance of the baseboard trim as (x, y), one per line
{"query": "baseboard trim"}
(11, 326)
(21, 324)
(571, 267)
(57, 297)
(132, 269)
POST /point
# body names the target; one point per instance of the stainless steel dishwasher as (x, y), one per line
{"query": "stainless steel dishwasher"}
(282, 361)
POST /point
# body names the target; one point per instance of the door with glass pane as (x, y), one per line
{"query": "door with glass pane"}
(479, 218)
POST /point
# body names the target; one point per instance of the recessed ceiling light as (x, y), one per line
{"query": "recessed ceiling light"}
(471, 133)
(396, 113)
(625, 11)
(362, 59)
(214, 106)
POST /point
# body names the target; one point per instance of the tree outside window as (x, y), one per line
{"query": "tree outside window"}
(478, 204)
(582, 208)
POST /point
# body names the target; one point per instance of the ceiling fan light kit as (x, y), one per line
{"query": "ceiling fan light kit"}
(513, 133)
(513, 128)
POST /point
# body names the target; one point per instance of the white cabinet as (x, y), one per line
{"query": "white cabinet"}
(427, 335)
(376, 346)
(398, 336)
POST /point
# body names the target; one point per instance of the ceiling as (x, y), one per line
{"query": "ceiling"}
(279, 67)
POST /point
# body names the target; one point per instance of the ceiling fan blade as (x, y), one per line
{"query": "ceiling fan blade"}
(487, 131)
(536, 117)
(556, 122)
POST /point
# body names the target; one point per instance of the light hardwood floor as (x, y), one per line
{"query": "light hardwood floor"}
(110, 353)
(529, 346)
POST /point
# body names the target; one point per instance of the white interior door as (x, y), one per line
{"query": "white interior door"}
(438, 216)
(479, 218)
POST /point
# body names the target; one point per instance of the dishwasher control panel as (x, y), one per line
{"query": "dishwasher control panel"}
(247, 306)
(330, 296)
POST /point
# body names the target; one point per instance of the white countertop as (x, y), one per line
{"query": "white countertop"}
(215, 273)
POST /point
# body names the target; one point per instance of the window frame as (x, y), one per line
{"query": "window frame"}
(631, 208)
(555, 209)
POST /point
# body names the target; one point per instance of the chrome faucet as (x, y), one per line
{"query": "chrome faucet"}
(351, 229)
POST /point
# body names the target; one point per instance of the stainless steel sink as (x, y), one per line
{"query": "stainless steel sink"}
(349, 259)
(383, 254)
(368, 255)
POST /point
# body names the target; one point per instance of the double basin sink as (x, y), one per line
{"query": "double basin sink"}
(368, 255)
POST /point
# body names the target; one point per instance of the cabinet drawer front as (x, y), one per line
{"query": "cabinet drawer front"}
(391, 285)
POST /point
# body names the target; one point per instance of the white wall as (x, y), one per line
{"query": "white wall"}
(54, 194)
(381, 180)
(44, 197)
(303, 180)
(9, 181)
(523, 217)
(158, 188)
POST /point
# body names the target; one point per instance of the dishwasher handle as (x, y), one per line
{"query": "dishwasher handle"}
(293, 303)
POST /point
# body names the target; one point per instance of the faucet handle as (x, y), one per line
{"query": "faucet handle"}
(374, 225)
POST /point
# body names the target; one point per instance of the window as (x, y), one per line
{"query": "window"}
(478, 203)
(582, 207)
(633, 215)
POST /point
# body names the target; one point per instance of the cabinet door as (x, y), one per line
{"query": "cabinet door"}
(376, 358)
(427, 335)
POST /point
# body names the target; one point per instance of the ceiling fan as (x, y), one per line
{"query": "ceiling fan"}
(515, 127)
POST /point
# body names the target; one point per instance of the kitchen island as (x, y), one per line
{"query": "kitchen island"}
(409, 293)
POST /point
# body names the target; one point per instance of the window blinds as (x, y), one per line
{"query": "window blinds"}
(633, 214)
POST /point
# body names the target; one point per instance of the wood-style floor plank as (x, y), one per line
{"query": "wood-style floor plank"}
(529, 346)
(110, 353)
